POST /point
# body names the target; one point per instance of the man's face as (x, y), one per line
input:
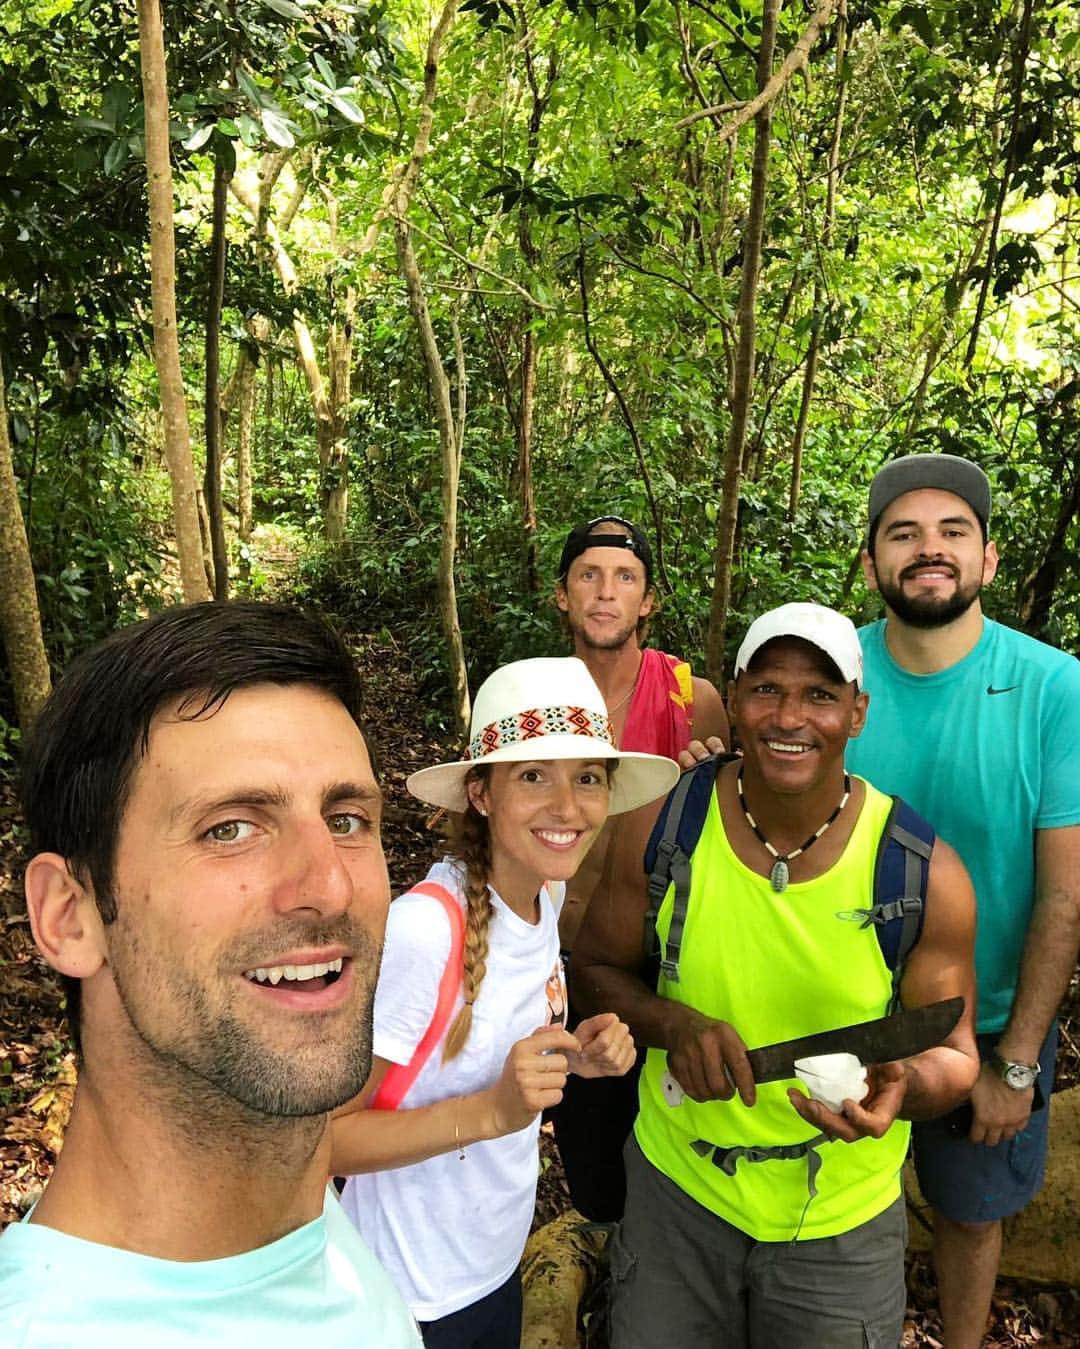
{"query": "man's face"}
(251, 896)
(929, 560)
(794, 715)
(604, 597)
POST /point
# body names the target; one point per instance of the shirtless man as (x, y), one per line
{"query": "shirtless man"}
(605, 589)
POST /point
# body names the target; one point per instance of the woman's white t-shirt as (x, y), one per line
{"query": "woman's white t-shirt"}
(450, 1231)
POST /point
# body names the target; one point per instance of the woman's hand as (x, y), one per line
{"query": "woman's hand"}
(532, 1078)
(607, 1047)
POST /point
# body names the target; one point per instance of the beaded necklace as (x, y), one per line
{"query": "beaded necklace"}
(778, 876)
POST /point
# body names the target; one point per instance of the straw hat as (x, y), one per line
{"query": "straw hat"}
(547, 708)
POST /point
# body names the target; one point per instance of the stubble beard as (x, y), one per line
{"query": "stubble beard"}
(208, 1052)
(613, 642)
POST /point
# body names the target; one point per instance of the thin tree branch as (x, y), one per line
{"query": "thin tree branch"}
(628, 421)
(795, 60)
(473, 265)
(684, 286)
(690, 75)
(291, 207)
(1021, 48)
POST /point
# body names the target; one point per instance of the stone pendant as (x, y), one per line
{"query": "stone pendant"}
(778, 877)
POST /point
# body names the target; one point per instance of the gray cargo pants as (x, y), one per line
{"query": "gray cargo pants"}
(682, 1278)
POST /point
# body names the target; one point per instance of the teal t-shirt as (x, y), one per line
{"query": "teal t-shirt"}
(988, 751)
(319, 1284)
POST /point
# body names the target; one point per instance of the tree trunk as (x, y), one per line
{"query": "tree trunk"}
(529, 347)
(163, 295)
(963, 274)
(744, 359)
(20, 619)
(245, 406)
(814, 348)
(560, 1261)
(1036, 595)
(339, 348)
(954, 293)
(1021, 48)
(205, 546)
(448, 446)
(624, 411)
(450, 433)
(257, 204)
(526, 403)
(212, 404)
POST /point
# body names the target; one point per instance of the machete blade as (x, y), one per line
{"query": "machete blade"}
(898, 1036)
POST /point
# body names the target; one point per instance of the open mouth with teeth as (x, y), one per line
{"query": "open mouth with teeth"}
(558, 838)
(302, 978)
(788, 747)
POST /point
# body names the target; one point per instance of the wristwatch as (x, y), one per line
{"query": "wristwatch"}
(1018, 1076)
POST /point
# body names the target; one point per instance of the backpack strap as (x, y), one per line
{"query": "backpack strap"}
(667, 856)
(400, 1076)
(901, 876)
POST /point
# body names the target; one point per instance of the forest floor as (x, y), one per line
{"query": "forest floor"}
(37, 1070)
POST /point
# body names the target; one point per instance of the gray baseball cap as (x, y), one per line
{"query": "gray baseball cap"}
(947, 472)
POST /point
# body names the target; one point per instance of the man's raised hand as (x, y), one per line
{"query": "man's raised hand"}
(697, 750)
(708, 1060)
(870, 1119)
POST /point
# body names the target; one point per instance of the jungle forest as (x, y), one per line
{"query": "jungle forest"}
(364, 304)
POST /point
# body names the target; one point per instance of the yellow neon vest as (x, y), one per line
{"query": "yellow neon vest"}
(775, 966)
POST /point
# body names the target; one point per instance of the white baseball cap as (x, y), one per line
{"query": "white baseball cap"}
(545, 708)
(814, 623)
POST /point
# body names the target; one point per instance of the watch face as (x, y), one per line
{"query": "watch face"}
(1019, 1076)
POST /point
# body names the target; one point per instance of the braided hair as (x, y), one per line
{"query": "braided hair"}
(470, 843)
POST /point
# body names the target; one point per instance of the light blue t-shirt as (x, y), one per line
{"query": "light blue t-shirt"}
(988, 751)
(319, 1284)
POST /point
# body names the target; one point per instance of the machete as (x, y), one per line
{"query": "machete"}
(890, 1037)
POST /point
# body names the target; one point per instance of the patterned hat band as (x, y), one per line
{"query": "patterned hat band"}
(537, 722)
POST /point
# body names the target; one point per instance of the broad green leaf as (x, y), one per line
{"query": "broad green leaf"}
(116, 157)
(348, 109)
(199, 137)
(286, 9)
(249, 130)
(277, 129)
(250, 88)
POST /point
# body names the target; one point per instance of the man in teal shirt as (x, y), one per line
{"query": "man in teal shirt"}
(978, 726)
(207, 877)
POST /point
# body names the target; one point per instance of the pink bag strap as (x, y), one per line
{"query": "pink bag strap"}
(400, 1076)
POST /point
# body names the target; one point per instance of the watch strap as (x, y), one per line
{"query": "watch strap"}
(1014, 1067)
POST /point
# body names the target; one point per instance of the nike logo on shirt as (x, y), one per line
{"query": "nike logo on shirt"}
(991, 690)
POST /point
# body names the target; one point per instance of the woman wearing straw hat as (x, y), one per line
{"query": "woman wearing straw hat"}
(443, 1167)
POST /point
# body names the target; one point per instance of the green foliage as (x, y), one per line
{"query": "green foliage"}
(560, 155)
(96, 526)
(9, 742)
